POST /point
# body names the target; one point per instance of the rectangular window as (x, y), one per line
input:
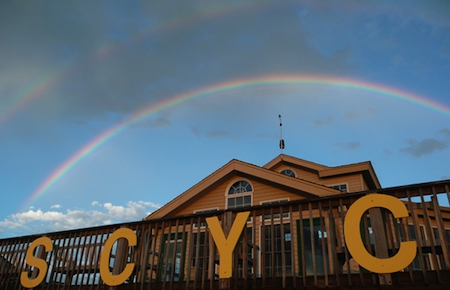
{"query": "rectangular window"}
(437, 241)
(203, 223)
(314, 236)
(275, 202)
(171, 256)
(416, 264)
(200, 256)
(247, 257)
(273, 250)
(239, 201)
(413, 236)
(341, 187)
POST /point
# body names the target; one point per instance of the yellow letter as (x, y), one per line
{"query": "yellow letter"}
(105, 274)
(36, 262)
(407, 251)
(227, 245)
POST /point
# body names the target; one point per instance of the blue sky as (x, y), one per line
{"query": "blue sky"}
(70, 71)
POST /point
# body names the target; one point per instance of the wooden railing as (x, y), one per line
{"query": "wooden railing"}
(286, 245)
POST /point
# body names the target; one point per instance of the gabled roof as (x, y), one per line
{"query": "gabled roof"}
(323, 171)
(235, 167)
(365, 168)
(294, 160)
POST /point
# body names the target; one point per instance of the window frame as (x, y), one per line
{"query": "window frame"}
(201, 211)
(339, 185)
(275, 202)
(241, 194)
(287, 168)
(275, 251)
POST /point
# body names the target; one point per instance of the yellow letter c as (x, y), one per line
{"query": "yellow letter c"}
(407, 251)
(108, 278)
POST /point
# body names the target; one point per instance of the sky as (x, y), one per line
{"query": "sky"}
(110, 109)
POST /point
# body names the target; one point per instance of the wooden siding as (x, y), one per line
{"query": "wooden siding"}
(238, 168)
(301, 172)
(355, 182)
(216, 198)
(212, 199)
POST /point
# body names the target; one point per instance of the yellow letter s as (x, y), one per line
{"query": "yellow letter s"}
(36, 262)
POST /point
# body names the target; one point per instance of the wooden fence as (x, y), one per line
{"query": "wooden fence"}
(287, 245)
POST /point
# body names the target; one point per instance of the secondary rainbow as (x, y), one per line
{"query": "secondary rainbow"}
(232, 85)
(44, 83)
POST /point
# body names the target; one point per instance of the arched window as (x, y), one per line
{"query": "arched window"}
(240, 186)
(288, 172)
(239, 194)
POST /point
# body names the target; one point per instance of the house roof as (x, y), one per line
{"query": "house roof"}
(323, 171)
(235, 167)
(282, 158)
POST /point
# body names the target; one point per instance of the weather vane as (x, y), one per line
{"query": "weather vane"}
(281, 136)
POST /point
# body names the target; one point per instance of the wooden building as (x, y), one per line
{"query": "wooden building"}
(293, 237)
(238, 184)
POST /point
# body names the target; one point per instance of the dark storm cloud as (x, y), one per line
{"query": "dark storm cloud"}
(444, 132)
(428, 145)
(348, 145)
(353, 116)
(210, 134)
(323, 122)
(158, 122)
(217, 134)
(100, 63)
(424, 147)
(195, 131)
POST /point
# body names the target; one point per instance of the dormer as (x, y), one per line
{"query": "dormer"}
(346, 178)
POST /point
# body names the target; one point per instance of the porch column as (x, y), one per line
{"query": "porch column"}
(227, 222)
(380, 240)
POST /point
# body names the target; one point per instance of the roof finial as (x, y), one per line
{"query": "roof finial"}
(281, 136)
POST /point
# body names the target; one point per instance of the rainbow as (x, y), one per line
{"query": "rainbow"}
(45, 82)
(30, 93)
(232, 85)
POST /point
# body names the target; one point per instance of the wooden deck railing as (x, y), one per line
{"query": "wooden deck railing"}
(285, 245)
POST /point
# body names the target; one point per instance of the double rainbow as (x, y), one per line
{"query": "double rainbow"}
(233, 85)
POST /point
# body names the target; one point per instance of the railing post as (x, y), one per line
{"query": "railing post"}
(41, 254)
(441, 230)
(121, 257)
(380, 240)
(227, 222)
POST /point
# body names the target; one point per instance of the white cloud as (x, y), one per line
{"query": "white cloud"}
(38, 221)
(56, 206)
